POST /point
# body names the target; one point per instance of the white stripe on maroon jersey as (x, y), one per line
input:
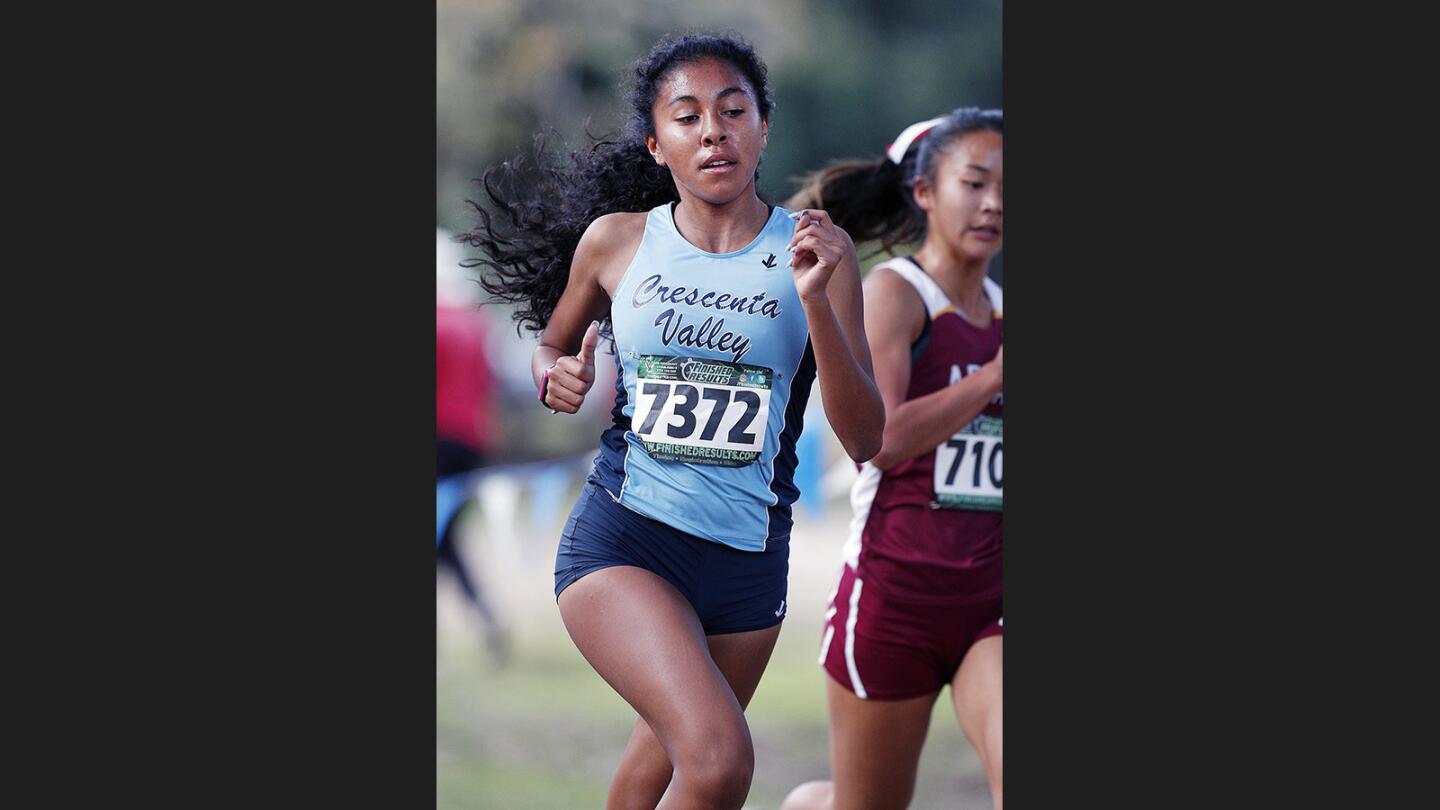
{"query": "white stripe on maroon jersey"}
(850, 640)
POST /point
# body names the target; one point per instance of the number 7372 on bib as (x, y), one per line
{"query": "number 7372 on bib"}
(701, 411)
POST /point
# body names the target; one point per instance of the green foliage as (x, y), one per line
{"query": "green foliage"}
(848, 76)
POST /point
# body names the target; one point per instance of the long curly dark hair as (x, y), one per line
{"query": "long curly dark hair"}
(538, 207)
(873, 199)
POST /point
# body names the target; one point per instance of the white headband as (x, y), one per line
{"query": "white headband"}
(897, 150)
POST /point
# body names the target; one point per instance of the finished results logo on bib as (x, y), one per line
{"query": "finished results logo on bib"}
(698, 410)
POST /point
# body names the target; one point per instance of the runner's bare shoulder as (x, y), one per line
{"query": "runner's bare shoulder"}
(608, 246)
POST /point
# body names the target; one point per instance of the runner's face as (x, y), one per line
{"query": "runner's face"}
(708, 130)
(965, 205)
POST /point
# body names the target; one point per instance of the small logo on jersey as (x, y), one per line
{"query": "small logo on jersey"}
(769, 261)
(782, 608)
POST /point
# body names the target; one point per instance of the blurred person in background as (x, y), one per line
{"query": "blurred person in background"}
(465, 423)
(670, 575)
(918, 601)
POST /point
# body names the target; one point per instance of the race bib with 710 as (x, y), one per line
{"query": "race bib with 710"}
(970, 467)
(701, 411)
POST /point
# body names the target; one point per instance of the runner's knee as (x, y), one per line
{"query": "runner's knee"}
(717, 764)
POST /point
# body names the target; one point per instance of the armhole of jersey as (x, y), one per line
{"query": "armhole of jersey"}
(907, 269)
(639, 248)
(656, 219)
(917, 349)
(930, 293)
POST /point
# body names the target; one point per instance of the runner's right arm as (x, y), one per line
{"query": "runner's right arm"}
(894, 317)
(564, 362)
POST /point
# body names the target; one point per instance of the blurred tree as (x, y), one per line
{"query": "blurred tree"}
(847, 74)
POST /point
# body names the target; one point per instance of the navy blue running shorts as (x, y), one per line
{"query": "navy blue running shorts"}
(732, 591)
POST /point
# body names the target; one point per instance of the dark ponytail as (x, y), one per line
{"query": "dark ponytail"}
(868, 198)
(541, 208)
(873, 199)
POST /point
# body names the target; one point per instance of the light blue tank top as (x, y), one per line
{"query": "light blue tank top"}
(714, 370)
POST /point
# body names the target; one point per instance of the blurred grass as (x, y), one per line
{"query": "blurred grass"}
(483, 785)
(544, 731)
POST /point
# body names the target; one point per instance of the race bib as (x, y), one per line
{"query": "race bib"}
(970, 467)
(701, 411)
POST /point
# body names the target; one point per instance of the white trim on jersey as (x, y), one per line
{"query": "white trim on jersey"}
(862, 496)
(829, 614)
(867, 483)
(935, 298)
(850, 639)
(930, 293)
(825, 645)
(993, 290)
(830, 597)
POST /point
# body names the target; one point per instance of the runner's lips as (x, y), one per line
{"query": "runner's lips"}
(718, 164)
